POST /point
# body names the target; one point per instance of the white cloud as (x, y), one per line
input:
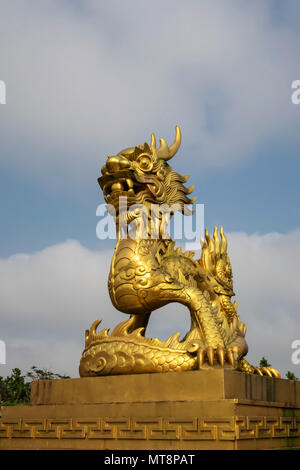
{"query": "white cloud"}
(267, 290)
(88, 78)
(50, 297)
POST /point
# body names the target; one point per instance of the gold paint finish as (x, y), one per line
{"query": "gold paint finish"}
(147, 272)
(207, 409)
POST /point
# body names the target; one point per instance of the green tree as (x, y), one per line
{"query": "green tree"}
(15, 388)
(44, 374)
(291, 376)
(264, 362)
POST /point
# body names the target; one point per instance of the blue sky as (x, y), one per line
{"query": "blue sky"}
(260, 195)
(88, 78)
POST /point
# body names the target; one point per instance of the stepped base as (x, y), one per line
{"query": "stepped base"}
(207, 409)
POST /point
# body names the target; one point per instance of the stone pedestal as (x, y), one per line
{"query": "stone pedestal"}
(207, 409)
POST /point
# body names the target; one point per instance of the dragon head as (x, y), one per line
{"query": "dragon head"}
(143, 175)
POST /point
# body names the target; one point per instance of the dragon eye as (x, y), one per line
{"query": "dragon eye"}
(145, 162)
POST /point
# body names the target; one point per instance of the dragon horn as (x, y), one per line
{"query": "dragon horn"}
(164, 152)
(153, 141)
(177, 141)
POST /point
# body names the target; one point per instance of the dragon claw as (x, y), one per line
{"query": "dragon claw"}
(216, 357)
(267, 371)
(274, 372)
(210, 355)
(230, 356)
(200, 356)
(220, 355)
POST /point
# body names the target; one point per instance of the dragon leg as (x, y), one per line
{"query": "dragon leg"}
(206, 335)
(139, 321)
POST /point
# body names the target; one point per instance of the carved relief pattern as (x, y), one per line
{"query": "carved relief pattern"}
(190, 429)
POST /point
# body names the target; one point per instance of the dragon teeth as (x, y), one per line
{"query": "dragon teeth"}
(117, 187)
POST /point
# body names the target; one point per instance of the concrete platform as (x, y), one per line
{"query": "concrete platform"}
(207, 409)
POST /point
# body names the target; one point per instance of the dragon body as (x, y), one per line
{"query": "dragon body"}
(148, 272)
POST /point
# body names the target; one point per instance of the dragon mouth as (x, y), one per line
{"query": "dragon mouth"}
(119, 185)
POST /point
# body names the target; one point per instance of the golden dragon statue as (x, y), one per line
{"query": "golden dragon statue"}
(147, 272)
